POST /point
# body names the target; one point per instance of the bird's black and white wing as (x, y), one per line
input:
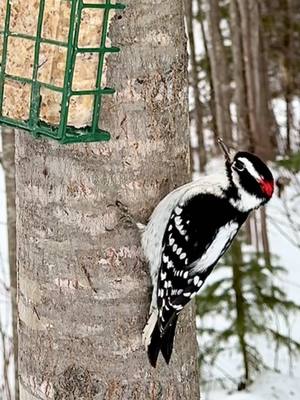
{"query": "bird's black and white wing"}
(191, 247)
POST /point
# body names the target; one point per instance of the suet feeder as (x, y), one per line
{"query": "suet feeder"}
(53, 70)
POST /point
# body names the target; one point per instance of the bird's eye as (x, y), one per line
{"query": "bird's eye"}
(238, 166)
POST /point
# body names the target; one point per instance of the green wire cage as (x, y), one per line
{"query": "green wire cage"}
(62, 129)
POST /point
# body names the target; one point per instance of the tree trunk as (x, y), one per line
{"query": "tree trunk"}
(287, 73)
(83, 283)
(264, 110)
(261, 118)
(212, 100)
(265, 237)
(256, 233)
(8, 161)
(237, 262)
(194, 83)
(244, 136)
(288, 113)
(220, 76)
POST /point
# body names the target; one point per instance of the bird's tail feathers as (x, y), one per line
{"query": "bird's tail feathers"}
(149, 328)
(155, 342)
(151, 338)
(167, 340)
(154, 346)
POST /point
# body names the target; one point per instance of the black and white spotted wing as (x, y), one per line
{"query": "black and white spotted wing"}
(191, 248)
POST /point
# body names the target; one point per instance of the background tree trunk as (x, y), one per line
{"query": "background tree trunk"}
(262, 123)
(264, 237)
(197, 112)
(212, 100)
(8, 162)
(287, 73)
(83, 283)
(237, 284)
(244, 137)
(221, 82)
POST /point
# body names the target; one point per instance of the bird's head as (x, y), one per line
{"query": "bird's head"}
(251, 178)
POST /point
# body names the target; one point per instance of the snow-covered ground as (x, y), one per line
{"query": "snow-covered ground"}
(269, 385)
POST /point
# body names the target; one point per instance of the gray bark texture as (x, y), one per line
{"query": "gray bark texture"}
(240, 97)
(262, 122)
(84, 286)
(240, 321)
(8, 162)
(212, 99)
(220, 73)
(194, 81)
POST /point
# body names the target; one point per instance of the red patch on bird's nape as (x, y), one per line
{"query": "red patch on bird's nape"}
(267, 187)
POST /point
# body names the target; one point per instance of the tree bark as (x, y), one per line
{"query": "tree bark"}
(265, 237)
(219, 69)
(287, 73)
(212, 100)
(289, 116)
(8, 161)
(83, 283)
(262, 123)
(197, 112)
(244, 137)
(237, 282)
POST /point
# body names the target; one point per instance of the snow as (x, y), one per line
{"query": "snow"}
(269, 385)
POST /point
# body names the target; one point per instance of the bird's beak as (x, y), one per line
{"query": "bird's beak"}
(225, 149)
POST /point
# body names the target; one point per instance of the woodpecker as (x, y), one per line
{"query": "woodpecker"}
(188, 232)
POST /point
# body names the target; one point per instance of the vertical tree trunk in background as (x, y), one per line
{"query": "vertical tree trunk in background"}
(243, 124)
(264, 237)
(246, 25)
(212, 100)
(83, 283)
(287, 72)
(237, 262)
(264, 110)
(8, 145)
(289, 114)
(194, 83)
(256, 233)
(248, 233)
(262, 122)
(219, 69)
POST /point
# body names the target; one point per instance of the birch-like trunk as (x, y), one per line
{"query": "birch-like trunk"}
(83, 282)
(8, 161)
(194, 80)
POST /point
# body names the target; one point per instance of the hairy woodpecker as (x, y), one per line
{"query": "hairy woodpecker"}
(189, 230)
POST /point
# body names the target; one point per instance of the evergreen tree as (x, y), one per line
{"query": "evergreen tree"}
(246, 296)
